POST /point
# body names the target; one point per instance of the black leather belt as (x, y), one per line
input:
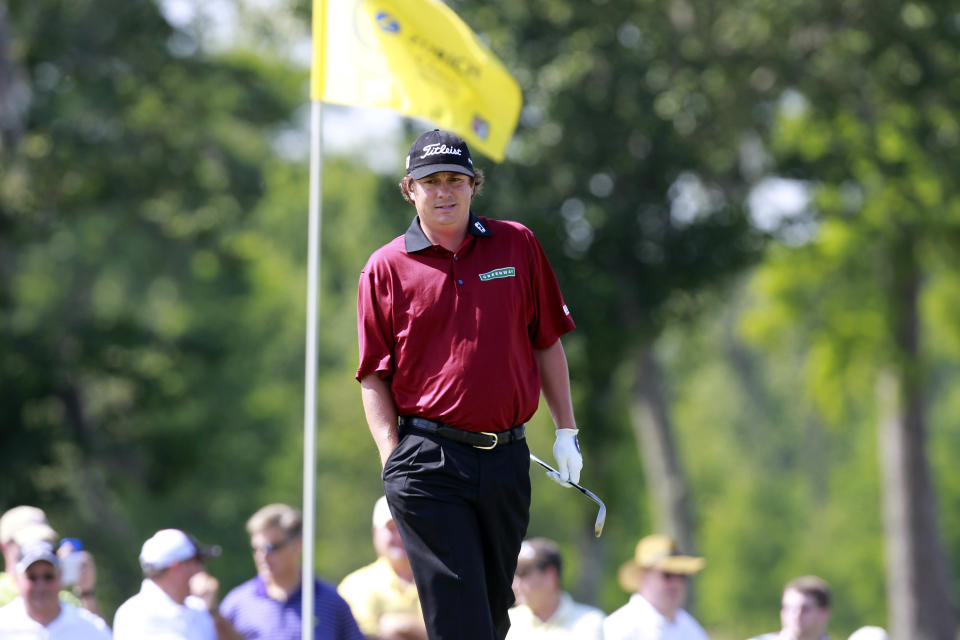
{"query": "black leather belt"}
(480, 440)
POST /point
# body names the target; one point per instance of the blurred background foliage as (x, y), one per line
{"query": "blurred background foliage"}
(724, 186)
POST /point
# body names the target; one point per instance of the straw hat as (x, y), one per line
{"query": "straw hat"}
(658, 552)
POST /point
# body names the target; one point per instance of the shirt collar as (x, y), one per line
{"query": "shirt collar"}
(564, 609)
(260, 589)
(560, 616)
(156, 595)
(396, 582)
(416, 240)
(652, 611)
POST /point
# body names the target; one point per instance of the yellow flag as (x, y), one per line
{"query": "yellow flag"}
(416, 57)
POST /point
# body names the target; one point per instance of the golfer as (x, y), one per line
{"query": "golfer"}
(459, 324)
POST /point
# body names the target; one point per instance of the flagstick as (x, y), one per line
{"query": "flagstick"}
(310, 392)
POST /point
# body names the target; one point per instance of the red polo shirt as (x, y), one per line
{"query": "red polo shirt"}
(455, 333)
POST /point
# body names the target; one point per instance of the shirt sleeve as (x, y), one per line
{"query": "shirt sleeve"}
(226, 607)
(551, 317)
(374, 326)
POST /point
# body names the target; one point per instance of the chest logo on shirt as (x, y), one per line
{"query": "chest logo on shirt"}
(502, 272)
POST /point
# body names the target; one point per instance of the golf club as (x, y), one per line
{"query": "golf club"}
(601, 515)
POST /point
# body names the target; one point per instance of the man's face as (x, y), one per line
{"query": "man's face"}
(275, 553)
(442, 200)
(664, 590)
(387, 542)
(40, 584)
(802, 618)
(533, 585)
(186, 569)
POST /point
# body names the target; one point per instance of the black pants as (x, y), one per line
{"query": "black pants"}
(462, 514)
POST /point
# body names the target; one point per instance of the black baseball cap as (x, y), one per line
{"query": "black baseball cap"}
(437, 151)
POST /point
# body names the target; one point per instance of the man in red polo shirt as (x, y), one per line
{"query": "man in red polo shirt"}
(459, 324)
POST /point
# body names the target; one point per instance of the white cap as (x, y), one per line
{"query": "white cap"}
(170, 546)
(18, 517)
(381, 513)
(869, 633)
(36, 552)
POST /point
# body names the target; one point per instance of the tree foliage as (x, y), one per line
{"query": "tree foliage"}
(127, 264)
(869, 120)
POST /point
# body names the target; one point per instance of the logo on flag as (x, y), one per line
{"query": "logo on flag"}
(387, 23)
(481, 127)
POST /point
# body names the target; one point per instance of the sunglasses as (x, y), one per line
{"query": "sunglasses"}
(673, 576)
(269, 547)
(47, 576)
(524, 571)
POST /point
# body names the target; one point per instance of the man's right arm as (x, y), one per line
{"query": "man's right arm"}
(381, 413)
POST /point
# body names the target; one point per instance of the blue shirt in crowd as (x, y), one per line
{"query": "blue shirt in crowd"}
(256, 616)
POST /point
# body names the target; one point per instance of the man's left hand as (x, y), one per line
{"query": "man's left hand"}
(566, 451)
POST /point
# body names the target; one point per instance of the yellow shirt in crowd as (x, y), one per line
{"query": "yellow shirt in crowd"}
(374, 590)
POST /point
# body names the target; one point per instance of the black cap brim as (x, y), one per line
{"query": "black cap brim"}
(205, 551)
(423, 172)
(209, 551)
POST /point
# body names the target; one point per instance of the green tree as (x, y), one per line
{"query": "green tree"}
(871, 123)
(134, 388)
(782, 492)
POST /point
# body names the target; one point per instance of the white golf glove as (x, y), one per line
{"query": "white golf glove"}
(566, 451)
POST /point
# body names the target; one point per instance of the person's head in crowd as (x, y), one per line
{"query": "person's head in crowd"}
(538, 578)
(170, 558)
(869, 633)
(805, 608)
(39, 581)
(275, 537)
(660, 573)
(12, 521)
(386, 539)
(40, 532)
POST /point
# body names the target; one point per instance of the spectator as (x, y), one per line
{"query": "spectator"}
(37, 611)
(804, 610)
(269, 605)
(12, 521)
(543, 609)
(869, 633)
(22, 525)
(164, 607)
(658, 578)
(382, 595)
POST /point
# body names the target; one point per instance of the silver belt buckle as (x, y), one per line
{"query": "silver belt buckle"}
(496, 439)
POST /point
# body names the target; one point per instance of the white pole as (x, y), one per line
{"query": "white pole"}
(310, 385)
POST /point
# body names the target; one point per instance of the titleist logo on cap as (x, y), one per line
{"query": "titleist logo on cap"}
(439, 148)
(436, 151)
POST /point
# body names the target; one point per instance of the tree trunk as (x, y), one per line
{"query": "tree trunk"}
(661, 466)
(593, 559)
(918, 587)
